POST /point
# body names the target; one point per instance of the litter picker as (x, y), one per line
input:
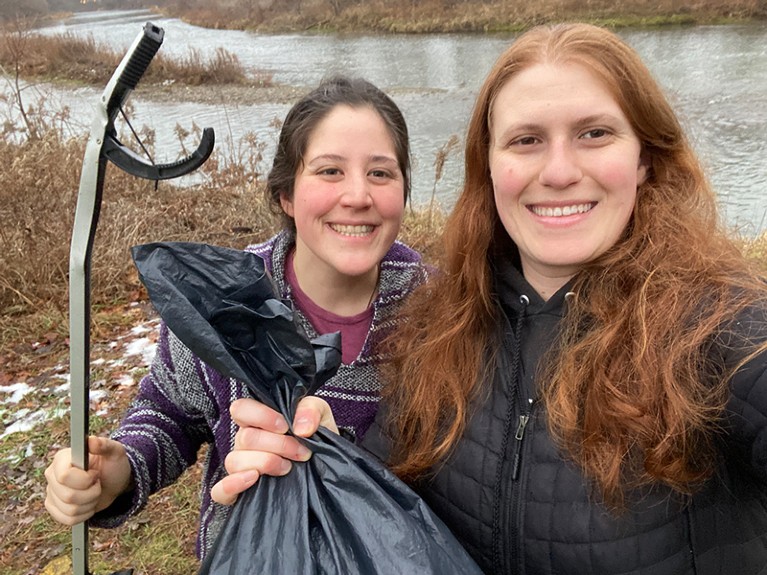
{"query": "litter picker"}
(103, 146)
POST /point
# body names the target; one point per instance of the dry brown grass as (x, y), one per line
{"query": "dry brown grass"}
(410, 16)
(756, 250)
(72, 59)
(39, 180)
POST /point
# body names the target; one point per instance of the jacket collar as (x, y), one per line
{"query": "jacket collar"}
(512, 287)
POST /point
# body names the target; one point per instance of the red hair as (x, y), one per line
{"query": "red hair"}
(628, 397)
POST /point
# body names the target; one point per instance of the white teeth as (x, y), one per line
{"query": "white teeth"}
(561, 211)
(352, 230)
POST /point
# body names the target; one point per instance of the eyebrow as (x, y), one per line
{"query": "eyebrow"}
(338, 158)
(597, 119)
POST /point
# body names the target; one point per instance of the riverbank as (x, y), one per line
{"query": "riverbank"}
(231, 95)
(448, 16)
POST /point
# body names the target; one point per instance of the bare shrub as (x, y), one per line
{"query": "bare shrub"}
(194, 70)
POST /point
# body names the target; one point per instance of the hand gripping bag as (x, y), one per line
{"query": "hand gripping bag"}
(340, 513)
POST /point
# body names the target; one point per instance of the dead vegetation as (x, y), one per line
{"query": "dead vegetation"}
(425, 16)
(70, 59)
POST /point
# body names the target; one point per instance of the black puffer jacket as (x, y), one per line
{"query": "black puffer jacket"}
(520, 508)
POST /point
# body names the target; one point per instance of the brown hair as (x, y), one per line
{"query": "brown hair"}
(309, 111)
(626, 397)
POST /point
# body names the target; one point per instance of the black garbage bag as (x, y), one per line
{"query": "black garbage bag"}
(341, 512)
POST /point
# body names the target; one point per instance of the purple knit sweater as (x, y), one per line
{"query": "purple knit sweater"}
(183, 403)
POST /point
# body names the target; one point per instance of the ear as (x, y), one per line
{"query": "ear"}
(287, 205)
(643, 170)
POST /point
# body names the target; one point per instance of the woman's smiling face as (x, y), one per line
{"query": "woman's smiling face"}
(565, 165)
(349, 197)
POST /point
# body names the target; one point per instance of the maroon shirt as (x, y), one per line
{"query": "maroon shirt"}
(354, 329)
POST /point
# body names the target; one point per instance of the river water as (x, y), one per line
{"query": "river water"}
(716, 77)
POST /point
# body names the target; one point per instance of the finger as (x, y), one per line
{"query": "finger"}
(312, 412)
(104, 447)
(67, 512)
(62, 472)
(260, 461)
(62, 517)
(252, 439)
(226, 491)
(65, 495)
(248, 412)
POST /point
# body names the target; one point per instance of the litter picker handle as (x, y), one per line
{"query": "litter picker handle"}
(133, 66)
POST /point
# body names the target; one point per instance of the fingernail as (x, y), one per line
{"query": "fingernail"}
(285, 466)
(280, 424)
(249, 478)
(302, 425)
(303, 453)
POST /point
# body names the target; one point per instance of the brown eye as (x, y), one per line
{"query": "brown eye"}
(595, 133)
(525, 141)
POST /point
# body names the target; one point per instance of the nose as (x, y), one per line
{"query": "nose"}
(356, 192)
(560, 168)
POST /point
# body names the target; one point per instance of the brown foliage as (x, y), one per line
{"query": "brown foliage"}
(423, 16)
(39, 181)
(71, 58)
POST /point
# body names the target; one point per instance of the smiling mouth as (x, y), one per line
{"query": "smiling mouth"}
(354, 231)
(561, 211)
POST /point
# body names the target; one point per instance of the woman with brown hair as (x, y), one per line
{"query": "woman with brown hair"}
(340, 180)
(584, 387)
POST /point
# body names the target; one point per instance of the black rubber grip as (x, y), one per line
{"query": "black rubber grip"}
(142, 55)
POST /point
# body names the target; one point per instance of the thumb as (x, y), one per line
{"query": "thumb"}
(312, 412)
(104, 446)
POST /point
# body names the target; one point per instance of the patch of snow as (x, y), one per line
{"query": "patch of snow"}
(139, 329)
(15, 391)
(126, 380)
(18, 457)
(63, 388)
(25, 421)
(142, 346)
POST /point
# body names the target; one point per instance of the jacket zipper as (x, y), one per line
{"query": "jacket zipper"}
(514, 564)
(520, 436)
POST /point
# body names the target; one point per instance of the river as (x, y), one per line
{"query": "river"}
(715, 76)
